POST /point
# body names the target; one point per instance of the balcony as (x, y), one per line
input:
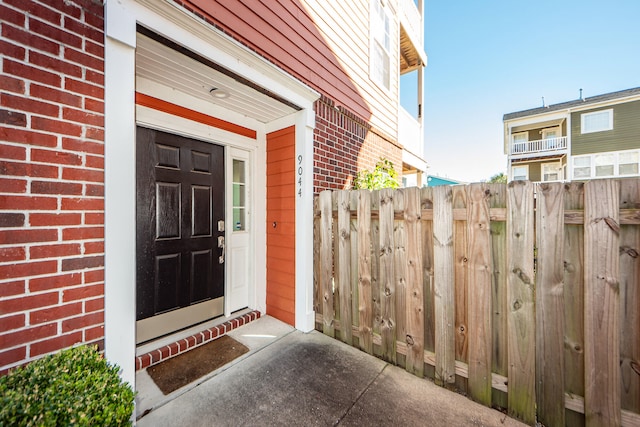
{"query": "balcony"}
(410, 137)
(540, 147)
(411, 36)
(411, 19)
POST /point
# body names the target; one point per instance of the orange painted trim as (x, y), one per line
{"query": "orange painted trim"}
(186, 113)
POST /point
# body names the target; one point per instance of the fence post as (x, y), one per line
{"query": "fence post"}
(550, 304)
(520, 297)
(326, 267)
(444, 286)
(479, 293)
(602, 304)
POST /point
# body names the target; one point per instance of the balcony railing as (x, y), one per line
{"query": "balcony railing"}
(411, 18)
(539, 146)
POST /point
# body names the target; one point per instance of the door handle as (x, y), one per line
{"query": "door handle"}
(221, 245)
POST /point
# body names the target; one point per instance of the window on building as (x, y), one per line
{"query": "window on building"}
(550, 133)
(380, 71)
(239, 196)
(520, 173)
(551, 171)
(628, 163)
(597, 121)
(550, 137)
(520, 142)
(581, 167)
(605, 165)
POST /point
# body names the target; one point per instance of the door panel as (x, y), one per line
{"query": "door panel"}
(180, 196)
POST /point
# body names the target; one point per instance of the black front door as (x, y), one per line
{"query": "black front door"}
(180, 227)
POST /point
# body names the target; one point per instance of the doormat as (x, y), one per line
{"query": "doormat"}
(187, 367)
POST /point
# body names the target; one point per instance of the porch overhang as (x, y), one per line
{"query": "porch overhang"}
(411, 58)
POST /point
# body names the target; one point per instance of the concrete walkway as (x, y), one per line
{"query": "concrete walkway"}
(290, 378)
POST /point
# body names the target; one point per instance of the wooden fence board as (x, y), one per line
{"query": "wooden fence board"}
(353, 239)
(479, 294)
(387, 277)
(414, 292)
(365, 306)
(602, 303)
(498, 200)
(461, 278)
(630, 297)
(574, 300)
(444, 285)
(326, 258)
(520, 297)
(375, 270)
(343, 265)
(400, 268)
(550, 304)
(317, 289)
(336, 262)
(428, 270)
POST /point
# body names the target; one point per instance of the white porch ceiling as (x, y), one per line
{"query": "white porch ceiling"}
(168, 67)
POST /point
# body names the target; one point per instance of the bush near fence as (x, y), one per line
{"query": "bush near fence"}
(524, 296)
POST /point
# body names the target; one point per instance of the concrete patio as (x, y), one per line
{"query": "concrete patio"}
(292, 378)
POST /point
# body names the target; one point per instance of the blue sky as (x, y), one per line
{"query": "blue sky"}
(491, 57)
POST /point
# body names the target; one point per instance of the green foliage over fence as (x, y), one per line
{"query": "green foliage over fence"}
(525, 296)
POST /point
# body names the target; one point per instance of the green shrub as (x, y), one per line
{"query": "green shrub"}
(73, 387)
(383, 176)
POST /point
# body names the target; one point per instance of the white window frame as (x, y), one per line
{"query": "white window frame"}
(620, 154)
(616, 164)
(558, 168)
(545, 132)
(585, 116)
(513, 167)
(377, 29)
(513, 142)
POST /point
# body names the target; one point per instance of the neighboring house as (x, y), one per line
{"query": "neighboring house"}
(159, 159)
(595, 137)
(433, 181)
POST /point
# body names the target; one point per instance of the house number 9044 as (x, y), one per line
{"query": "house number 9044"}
(299, 175)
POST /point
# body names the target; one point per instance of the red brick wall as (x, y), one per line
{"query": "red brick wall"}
(51, 177)
(344, 145)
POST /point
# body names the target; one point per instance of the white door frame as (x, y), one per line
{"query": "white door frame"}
(240, 244)
(175, 23)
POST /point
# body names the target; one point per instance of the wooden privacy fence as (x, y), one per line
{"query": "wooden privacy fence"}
(524, 296)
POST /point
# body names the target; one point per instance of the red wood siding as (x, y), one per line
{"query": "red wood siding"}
(51, 178)
(196, 116)
(281, 212)
(283, 32)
